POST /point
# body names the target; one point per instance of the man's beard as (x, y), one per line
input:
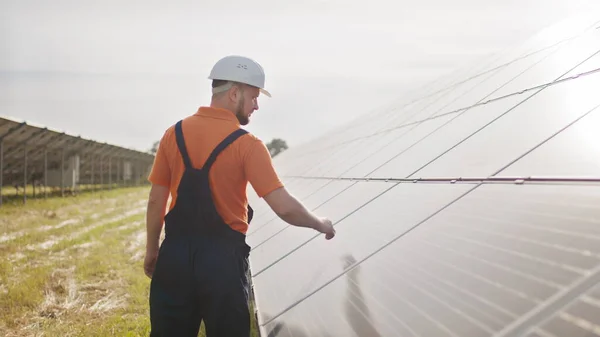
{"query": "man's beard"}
(244, 120)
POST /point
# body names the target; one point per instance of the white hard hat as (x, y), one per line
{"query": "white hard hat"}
(240, 69)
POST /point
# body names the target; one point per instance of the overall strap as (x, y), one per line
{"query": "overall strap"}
(226, 142)
(181, 145)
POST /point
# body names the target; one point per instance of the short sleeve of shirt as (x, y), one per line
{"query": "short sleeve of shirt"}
(161, 171)
(259, 169)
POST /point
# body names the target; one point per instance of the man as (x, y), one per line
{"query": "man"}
(205, 163)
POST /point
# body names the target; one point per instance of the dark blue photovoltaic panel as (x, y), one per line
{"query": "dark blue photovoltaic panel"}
(563, 31)
(291, 238)
(591, 65)
(440, 104)
(377, 157)
(578, 148)
(503, 77)
(360, 154)
(327, 190)
(359, 234)
(471, 270)
(446, 138)
(556, 65)
(518, 131)
(515, 251)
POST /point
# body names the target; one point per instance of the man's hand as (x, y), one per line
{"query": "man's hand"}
(326, 227)
(150, 261)
(290, 210)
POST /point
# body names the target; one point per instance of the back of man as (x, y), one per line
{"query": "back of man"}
(205, 162)
(245, 160)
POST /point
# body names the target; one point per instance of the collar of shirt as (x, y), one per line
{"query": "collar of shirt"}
(217, 113)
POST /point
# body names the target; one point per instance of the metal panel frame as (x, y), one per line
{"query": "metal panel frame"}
(28, 151)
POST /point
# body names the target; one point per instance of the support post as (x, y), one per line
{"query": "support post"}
(102, 172)
(1, 168)
(138, 173)
(110, 172)
(62, 173)
(92, 170)
(45, 173)
(25, 173)
(119, 176)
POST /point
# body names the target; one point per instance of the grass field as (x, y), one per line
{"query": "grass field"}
(73, 266)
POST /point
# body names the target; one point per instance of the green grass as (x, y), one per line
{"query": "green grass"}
(89, 284)
(20, 298)
(13, 195)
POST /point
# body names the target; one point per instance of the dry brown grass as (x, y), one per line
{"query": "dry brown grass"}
(73, 266)
(71, 273)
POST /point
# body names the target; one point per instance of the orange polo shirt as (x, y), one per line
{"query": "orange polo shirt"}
(247, 160)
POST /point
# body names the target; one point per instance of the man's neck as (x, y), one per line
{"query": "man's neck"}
(218, 104)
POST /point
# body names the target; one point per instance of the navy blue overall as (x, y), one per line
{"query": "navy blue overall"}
(202, 269)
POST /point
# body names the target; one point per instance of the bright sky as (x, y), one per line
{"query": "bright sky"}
(123, 71)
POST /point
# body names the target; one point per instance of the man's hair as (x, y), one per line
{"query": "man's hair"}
(218, 83)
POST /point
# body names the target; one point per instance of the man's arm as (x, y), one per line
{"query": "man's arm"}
(290, 210)
(262, 176)
(157, 202)
(160, 177)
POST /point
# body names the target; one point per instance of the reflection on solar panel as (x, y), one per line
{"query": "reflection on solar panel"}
(470, 209)
(32, 156)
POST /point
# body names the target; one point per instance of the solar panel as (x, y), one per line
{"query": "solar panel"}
(580, 318)
(470, 208)
(33, 155)
(266, 251)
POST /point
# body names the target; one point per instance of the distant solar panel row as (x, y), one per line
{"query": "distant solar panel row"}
(471, 209)
(37, 156)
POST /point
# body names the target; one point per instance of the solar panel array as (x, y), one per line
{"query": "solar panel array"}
(36, 156)
(471, 208)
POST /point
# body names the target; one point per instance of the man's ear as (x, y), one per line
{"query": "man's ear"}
(234, 93)
(231, 94)
(237, 91)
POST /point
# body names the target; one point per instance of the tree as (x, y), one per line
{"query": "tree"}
(276, 146)
(154, 147)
